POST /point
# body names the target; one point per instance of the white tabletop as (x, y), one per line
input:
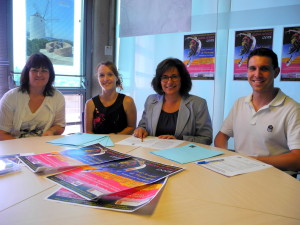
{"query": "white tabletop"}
(194, 196)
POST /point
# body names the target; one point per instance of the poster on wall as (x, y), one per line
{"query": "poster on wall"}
(290, 60)
(50, 30)
(245, 42)
(199, 55)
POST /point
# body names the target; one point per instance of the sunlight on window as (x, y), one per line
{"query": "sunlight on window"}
(73, 113)
(53, 28)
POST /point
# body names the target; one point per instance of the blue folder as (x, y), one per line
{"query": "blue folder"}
(187, 153)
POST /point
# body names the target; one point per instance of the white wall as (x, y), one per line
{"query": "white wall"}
(138, 56)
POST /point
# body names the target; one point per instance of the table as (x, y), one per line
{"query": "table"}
(194, 196)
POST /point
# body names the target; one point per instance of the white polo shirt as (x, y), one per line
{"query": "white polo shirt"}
(272, 130)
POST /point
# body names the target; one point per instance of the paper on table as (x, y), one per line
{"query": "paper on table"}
(8, 166)
(67, 159)
(105, 141)
(151, 142)
(126, 201)
(187, 153)
(93, 182)
(83, 139)
(235, 165)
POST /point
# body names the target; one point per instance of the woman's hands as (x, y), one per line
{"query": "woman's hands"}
(140, 133)
(166, 136)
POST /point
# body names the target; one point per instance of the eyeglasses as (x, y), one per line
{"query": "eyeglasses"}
(165, 78)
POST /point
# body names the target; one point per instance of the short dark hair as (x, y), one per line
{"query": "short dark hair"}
(37, 60)
(163, 66)
(114, 69)
(267, 53)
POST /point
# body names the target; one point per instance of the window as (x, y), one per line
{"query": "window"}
(54, 28)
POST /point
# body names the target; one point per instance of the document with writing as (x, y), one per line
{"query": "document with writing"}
(234, 165)
(150, 142)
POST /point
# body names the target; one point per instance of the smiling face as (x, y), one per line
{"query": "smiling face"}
(38, 77)
(261, 74)
(107, 79)
(171, 81)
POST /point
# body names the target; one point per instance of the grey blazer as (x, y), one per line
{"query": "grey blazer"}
(193, 122)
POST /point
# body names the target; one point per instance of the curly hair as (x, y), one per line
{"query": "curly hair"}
(163, 66)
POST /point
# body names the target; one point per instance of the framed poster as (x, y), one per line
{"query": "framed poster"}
(245, 42)
(290, 59)
(199, 55)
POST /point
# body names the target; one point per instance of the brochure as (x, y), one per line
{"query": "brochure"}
(90, 155)
(8, 166)
(93, 182)
(125, 201)
(12, 157)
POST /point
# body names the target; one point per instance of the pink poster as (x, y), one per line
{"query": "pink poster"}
(245, 42)
(199, 55)
(290, 60)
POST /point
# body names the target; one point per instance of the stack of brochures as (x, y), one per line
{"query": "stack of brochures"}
(9, 164)
(101, 177)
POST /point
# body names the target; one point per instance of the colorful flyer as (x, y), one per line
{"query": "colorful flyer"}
(90, 155)
(125, 201)
(93, 182)
(199, 55)
(290, 61)
(245, 42)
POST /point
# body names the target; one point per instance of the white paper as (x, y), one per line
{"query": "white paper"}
(151, 142)
(234, 165)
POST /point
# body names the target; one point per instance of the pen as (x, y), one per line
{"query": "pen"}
(210, 161)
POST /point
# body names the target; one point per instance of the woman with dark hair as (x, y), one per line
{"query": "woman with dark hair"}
(109, 112)
(35, 108)
(173, 113)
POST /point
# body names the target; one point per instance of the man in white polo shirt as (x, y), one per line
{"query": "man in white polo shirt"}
(265, 124)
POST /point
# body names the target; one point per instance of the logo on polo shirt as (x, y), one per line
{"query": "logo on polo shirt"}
(270, 128)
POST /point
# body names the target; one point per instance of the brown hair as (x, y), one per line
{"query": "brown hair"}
(114, 69)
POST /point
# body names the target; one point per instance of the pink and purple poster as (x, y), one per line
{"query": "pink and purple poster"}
(290, 60)
(199, 55)
(245, 42)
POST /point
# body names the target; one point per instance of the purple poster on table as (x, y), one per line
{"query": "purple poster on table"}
(245, 42)
(290, 60)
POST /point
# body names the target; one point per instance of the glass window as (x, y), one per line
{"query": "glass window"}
(73, 113)
(54, 28)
